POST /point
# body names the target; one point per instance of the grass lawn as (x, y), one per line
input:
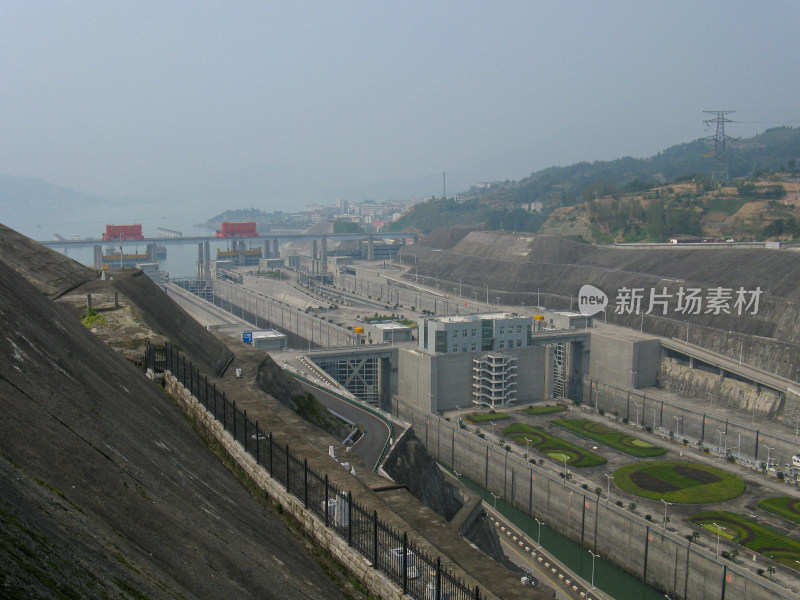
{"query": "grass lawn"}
(543, 410)
(683, 482)
(483, 418)
(552, 446)
(752, 535)
(785, 507)
(610, 437)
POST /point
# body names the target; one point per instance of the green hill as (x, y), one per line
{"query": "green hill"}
(524, 205)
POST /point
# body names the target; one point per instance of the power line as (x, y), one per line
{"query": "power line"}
(719, 170)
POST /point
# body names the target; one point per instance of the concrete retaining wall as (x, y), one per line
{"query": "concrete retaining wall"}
(662, 559)
(375, 581)
(301, 328)
(697, 423)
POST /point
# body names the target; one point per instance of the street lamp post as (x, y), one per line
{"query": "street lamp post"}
(721, 433)
(718, 530)
(527, 442)
(637, 405)
(666, 504)
(564, 456)
(678, 423)
(492, 422)
(769, 450)
(495, 496)
(608, 489)
(593, 557)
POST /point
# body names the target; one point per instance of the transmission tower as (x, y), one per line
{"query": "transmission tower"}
(719, 170)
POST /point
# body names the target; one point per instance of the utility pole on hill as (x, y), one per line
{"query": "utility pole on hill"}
(719, 170)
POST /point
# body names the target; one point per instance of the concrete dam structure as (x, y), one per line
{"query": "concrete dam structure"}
(762, 331)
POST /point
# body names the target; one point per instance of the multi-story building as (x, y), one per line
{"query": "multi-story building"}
(482, 359)
(474, 333)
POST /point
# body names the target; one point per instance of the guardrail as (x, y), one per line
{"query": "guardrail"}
(418, 574)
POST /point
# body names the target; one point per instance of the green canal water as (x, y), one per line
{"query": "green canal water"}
(613, 581)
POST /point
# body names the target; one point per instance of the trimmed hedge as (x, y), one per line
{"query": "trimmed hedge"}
(785, 507)
(553, 446)
(543, 410)
(752, 535)
(610, 437)
(483, 418)
(682, 482)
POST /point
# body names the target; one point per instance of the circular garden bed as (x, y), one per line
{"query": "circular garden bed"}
(681, 482)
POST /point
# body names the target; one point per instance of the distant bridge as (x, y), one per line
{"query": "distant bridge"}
(281, 236)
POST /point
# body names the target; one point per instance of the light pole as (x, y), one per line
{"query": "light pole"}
(721, 433)
(564, 456)
(498, 301)
(492, 422)
(678, 422)
(634, 377)
(495, 496)
(666, 504)
(768, 454)
(608, 488)
(593, 557)
(527, 442)
(539, 536)
(458, 411)
(718, 530)
(637, 405)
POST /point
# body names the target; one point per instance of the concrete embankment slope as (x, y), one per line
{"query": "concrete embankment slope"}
(106, 491)
(46, 269)
(529, 268)
(59, 276)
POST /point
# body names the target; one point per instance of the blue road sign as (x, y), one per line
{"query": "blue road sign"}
(247, 337)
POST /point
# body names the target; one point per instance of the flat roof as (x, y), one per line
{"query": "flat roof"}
(269, 333)
(389, 326)
(478, 317)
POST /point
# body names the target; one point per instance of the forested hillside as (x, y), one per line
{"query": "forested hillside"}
(524, 205)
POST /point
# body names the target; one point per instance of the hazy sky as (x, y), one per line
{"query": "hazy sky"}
(276, 104)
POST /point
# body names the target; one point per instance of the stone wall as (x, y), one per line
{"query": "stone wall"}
(375, 581)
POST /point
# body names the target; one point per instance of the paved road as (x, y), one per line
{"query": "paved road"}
(376, 431)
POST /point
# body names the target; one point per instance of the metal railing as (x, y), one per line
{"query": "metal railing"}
(416, 573)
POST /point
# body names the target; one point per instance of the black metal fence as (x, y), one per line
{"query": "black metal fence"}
(419, 575)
